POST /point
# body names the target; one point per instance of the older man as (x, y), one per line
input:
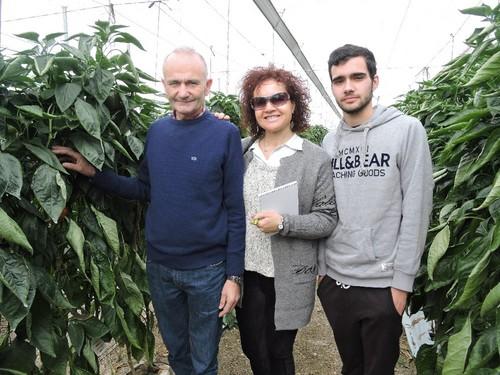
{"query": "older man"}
(192, 176)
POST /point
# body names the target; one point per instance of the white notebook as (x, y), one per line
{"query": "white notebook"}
(283, 199)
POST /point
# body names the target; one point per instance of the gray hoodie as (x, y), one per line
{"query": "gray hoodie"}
(382, 174)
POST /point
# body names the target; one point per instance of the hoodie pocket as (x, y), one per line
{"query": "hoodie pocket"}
(352, 245)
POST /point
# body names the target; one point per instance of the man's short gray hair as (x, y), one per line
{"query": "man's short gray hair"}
(189, 51)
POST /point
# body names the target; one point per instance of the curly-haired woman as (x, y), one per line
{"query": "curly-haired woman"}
(281, 249)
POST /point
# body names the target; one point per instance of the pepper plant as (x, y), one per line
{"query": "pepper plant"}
(458, 284)
(72, 260)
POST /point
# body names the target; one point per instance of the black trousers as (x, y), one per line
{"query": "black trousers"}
(366, 327)
(270, 351)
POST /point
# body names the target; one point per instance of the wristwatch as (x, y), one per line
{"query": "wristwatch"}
(281, 225)
(236, 279)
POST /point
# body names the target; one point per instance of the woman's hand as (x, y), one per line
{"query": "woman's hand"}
(267, 221)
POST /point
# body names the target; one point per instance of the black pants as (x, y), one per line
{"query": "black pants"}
(270, 351)
(366, 327)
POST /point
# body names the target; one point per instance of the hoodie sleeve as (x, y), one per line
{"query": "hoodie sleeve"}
(416, 188)
(321, 219)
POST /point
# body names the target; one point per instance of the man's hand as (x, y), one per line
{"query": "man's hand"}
(267, 221)
(74, 161)
(229, 297)
(221, 116)
(399, 299)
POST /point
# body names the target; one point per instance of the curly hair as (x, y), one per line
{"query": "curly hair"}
(295, 87)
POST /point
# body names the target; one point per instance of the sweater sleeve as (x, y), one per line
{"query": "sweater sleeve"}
(321, 220)
(233, 202)
(416, 187)
(136, 187)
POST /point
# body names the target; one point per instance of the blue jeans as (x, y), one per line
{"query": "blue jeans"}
(186, 304)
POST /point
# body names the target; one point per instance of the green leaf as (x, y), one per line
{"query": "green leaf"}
(29, 36)
(493, 195)
(109, 229)
(127, 38)
(131, 67)
(15, 275)
(495, 238)
(483, 10)
(462, 137)
(463, 117)
(10, 371)
(45, 155)
(94, 327)
(11, 232)
(100, 84)
(128, 328)
(74, 51)
(18, 358)
(491, 301)
(66, 95)
(121, 149)
(43, 63)
(15, 69)
(66, 63)
(136, 146)
(14, 310)
(498, 330)
(109, 151)
(438, 249)
(106, 277)
(11, 175)
(90, 356)
(111, 320)
(483, 350)
(59, 364)
(94, 278)
(132, 295)
(76, 239)
(76, 335)
(90, 147)
(490, 150)
(87, 115)
(149, 349)
(40, 329)
(487, 72)
(48, 191)
(80, 371)
(34, 110)
(458, 345)
(473, 283)
(426, 360)
(52, 36)
(50, 289)
(146, 76)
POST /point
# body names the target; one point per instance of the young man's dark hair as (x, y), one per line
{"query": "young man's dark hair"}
(348, 51)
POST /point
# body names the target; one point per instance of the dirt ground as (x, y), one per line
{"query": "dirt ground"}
(315, 351)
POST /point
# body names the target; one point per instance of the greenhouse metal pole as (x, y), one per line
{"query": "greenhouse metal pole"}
(269, 11)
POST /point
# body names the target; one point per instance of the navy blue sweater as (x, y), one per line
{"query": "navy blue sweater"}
(192, 175)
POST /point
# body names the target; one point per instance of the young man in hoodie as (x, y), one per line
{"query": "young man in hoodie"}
(382, 175)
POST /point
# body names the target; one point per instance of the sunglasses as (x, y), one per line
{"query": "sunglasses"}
(278, 99)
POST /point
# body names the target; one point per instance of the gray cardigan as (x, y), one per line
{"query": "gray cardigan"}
(295, 248)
